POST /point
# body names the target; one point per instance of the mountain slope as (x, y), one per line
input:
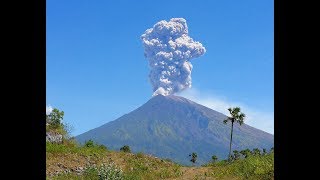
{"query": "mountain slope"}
(173, 127)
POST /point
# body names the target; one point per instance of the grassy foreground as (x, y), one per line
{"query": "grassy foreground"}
(69, 160)
(72, 161)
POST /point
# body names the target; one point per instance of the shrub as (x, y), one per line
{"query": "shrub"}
(256, 152)
(101, 146)
(125, 148)
(89, 143)
(104, 172)
(139, 154)
(214, 158)
(110, 171)
(246, 153)
(91, 172)
(236, 155)
(252, 167)
(264, 151)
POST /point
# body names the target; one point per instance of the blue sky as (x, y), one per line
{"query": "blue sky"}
(96, 70)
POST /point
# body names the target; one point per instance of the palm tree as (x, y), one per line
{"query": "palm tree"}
(236, 117)
(193, 157)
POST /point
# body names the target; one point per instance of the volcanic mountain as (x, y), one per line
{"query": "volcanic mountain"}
(173, 127)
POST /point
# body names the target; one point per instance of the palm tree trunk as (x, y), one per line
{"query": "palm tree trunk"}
(230, 141)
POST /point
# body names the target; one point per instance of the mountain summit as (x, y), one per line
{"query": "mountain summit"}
(173, 127)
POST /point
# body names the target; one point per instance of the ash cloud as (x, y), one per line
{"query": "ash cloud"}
(169, 50)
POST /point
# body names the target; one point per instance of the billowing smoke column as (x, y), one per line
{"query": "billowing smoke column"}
(169, 50)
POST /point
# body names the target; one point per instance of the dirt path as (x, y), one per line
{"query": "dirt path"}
(191, 173)
(199, 173)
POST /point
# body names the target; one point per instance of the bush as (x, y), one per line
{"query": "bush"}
(110, 171)
(256, 152)
(245, 153)
(91, 172)
(125, 148)
(104, 172)
(101, 146)
(252, 167)
(89, 143)
(92, 144)
(139, 155)
(214, 158)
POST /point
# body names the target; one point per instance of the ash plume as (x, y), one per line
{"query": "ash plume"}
(169, 50)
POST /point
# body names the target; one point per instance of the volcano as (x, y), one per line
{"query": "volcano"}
(173, 127)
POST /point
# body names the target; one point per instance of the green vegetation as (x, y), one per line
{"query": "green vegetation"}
(142, 166)
(54, 121)
(125, 148)
(194, 157)
(252, 167)
(55, 118)
(139, 155)
(89, 143)
(70, 160)
(92, 144)
(214, 158)
(103, 172)
(236, 117)
(121, 164)
(55, 125)
(109, 171)
(245, 153)
(69, 147)
(256, 151)
(236, 155)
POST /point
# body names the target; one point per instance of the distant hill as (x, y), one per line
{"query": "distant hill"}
(173, 127)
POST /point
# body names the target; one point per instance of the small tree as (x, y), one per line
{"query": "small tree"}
(214, 158)
(272, 150)
(236, 155)
(245, 153)
(193, 157)
(256, 151)
(264, 151)
(125, 148)
(89, 143)
(54, 119)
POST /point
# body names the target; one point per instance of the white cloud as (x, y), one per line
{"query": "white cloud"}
(255, 118)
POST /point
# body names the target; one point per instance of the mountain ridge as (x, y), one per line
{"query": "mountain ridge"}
(172, 127)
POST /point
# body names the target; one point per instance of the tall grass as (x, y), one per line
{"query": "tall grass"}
(72, 147)
(254, 167)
